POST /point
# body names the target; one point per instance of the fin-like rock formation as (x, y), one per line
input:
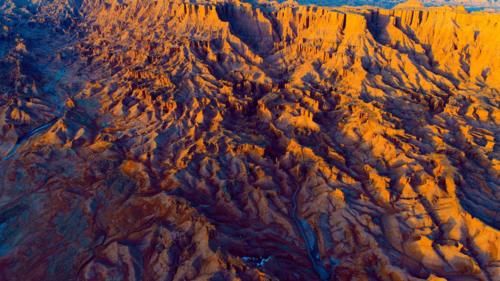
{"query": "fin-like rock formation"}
(223, 140)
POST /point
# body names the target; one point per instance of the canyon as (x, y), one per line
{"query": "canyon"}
(392, 3)
(227, 140)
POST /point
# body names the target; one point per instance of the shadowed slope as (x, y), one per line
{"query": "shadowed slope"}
(162, 140)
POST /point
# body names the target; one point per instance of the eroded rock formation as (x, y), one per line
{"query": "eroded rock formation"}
(163, 140)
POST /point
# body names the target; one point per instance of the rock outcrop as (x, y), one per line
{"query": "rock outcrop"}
(224, 140)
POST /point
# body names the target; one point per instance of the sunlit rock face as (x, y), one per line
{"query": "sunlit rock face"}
(223, 140)
(391, 3)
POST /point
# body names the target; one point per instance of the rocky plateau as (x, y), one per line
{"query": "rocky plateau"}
(226, 140)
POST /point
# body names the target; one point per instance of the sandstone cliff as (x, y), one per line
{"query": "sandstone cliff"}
(223, 140)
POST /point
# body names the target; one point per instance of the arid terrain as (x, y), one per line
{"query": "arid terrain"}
(391, 3)
(224, 140)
